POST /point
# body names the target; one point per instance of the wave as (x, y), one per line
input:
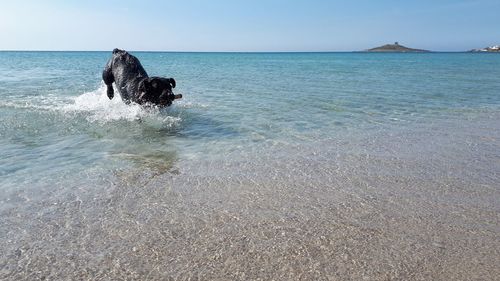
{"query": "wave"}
(96, 107)
(48, 102)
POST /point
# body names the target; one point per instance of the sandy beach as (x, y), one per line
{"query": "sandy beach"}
(386, 211)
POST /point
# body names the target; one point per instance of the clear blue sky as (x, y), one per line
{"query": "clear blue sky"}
(247, 25)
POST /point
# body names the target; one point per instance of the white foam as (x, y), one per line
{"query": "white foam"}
(102, 109)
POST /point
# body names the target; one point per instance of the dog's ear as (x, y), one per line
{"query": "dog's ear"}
(172, 82)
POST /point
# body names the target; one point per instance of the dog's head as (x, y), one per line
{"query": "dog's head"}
(158, 91)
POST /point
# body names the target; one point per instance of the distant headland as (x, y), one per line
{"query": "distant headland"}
(492, 49)
(396, 48)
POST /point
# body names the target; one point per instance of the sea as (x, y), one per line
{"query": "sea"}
(273, 166)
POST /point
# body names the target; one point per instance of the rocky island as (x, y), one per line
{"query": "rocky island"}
(492, 49)
(396, 48)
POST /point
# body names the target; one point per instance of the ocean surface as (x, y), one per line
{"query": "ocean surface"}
(316, 166)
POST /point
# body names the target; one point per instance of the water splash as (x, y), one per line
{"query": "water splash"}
(99, 108)
(96, 107)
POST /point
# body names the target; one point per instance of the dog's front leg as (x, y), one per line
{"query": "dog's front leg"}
(107, 76)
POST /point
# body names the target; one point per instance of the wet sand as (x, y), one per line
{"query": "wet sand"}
(410, 205)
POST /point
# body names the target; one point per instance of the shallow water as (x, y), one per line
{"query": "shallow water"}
(273, 166)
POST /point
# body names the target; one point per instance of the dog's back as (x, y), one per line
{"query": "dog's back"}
(126, 71)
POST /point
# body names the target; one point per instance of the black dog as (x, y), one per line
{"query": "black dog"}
(134, 84)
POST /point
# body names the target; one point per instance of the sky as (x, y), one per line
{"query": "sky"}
(247, 25)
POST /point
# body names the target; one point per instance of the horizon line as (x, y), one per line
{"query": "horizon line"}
(174, 51)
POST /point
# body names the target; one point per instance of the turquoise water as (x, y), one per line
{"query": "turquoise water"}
(57, 123)
(315, 166)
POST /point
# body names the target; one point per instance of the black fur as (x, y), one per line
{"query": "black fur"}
(134, 84)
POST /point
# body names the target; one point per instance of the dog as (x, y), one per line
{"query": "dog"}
(134, 84)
